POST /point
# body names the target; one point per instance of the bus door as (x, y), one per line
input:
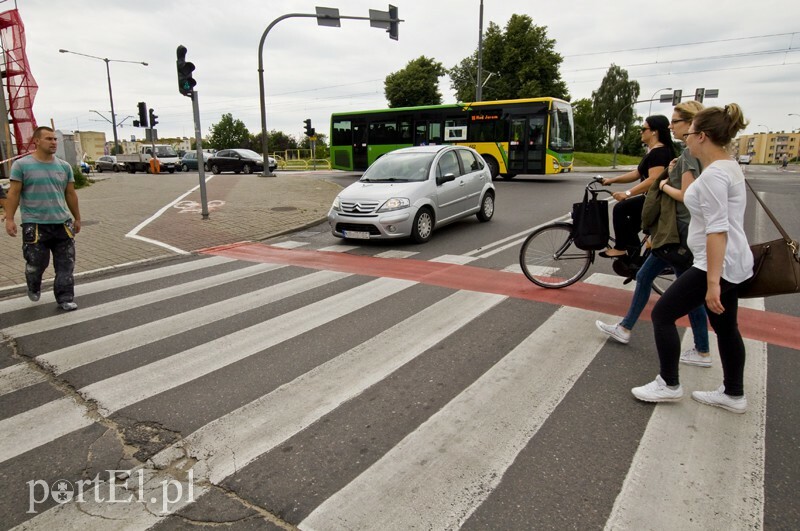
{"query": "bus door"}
(526, 146)
(360, 160)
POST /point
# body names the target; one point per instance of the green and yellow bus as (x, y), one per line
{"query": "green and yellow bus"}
(526, 136)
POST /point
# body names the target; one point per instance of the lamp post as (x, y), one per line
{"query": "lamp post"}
(110, 93)
(649, 109)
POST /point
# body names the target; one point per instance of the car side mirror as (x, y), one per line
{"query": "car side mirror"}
(446, 178)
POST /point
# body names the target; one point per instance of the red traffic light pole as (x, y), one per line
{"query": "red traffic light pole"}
(325, 17)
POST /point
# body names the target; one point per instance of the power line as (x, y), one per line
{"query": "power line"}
(684, 44)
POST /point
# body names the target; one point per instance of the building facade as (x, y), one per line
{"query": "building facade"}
(92, 144)
(768, 148)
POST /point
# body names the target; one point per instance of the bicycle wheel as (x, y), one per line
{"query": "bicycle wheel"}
(663, 281)
(549, 258)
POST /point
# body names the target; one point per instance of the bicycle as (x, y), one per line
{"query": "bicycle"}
(550, 259)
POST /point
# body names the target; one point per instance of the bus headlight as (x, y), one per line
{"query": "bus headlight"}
(395, 203)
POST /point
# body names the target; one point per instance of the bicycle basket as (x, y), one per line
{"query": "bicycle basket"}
(590, 223)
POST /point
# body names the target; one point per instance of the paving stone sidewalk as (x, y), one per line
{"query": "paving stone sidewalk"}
(241, 208)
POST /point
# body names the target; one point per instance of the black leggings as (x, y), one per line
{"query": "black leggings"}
(627, 216)
(686, 293)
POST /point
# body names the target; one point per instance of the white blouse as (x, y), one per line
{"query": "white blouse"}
(716, 201)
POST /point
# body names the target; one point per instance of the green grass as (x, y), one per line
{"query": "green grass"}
(604, 159)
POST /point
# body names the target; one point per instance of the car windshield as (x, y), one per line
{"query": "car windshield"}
(165, 151)
(399, 167)
(248, 153)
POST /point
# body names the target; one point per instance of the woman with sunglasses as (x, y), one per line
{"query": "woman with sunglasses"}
(668, 230)
(722, 261)
(627, 213)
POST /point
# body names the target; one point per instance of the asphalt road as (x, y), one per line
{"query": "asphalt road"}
(314, 383)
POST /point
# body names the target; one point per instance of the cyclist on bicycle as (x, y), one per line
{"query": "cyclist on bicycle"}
(627, 213)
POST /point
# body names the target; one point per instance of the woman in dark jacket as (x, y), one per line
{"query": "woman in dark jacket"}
(627, 214)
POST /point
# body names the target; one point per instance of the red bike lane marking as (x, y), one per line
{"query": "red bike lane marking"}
(774, 328)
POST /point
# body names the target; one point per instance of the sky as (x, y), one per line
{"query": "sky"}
(749, 51)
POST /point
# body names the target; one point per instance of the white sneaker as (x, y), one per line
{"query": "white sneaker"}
(692, 357)
(68, 306)
(615, 331)
(658, 391)
(718, 398)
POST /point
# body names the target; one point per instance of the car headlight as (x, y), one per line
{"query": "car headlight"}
(337, 204)
(395, 203)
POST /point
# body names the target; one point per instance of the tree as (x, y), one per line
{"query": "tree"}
(276, 140)
(589, 136)
(613, 103)
(416, 84)
(523, 62)
(228, 133)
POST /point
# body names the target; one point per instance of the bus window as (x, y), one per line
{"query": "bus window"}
(383, 133)
(405, 132)
(561, 127)
(342, 132)
(420, 136)
(434, 133)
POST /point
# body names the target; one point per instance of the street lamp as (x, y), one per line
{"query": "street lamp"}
(765, 127)
(653, 97)
(110, 93)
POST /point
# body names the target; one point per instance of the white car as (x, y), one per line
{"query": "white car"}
(411, 191)
(744, 159)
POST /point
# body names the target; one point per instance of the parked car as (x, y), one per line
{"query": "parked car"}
(189, 161)
(238, 161)
(108, 163)
(411, 191)
(744, 159)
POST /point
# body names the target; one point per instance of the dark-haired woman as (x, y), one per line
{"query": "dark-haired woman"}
(627, 213)
(722, 261)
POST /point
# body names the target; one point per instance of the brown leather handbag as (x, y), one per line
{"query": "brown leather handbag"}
(776, 264)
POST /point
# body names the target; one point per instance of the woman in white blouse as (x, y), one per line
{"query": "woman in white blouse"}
(722, 261)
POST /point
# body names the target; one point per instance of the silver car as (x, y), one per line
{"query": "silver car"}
(411, 191)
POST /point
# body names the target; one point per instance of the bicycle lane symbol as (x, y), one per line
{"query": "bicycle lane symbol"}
(186, 207)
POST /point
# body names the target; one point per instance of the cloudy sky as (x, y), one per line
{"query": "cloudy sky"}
(750, 51)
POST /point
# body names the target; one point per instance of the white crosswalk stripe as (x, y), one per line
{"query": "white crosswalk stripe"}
(445, 467)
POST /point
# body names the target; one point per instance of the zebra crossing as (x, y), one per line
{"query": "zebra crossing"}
(323, 399)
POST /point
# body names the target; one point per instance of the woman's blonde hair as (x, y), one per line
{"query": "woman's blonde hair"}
(688, 109)
(720, 124)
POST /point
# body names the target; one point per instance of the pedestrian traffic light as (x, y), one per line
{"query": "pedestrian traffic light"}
(186, 82)
(699, 94)
(142, 114)
(676, 96)
(153, 120)
(394, 24)
(309, 130)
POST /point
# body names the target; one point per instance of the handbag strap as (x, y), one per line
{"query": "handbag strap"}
(786, 237)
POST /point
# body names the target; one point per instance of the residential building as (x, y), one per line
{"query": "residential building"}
(92, 144)
(768, 148)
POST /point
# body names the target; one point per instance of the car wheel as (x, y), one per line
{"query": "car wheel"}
(116, 168)
(99, 169)
(184, 167)
(205, 167)
(422, 230)
(247, 169)
(487, 207)
(215, 169)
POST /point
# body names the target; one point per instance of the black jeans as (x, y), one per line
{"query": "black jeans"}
(686, 293)
(38, 241)
(627, 217)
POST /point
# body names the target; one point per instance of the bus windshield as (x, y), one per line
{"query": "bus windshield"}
(561, 127)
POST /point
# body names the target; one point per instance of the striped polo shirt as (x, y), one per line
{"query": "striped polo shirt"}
(43, 189)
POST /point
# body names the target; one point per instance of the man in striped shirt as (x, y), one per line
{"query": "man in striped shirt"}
(43, 186)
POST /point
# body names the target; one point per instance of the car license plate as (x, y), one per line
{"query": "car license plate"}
(356, 234)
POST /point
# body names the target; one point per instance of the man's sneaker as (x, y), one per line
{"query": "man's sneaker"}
(658, 391)
(736, 404)
(615, 331)
(692, 357)
(33, 295)
(68, 306)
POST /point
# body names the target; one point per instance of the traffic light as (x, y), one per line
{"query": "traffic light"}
(309, 130)
(186, 82)
(676, 96)
(394, 25)
(142, 114)
(153, 120)
(699, 94)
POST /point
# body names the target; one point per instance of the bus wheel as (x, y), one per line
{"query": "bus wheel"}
(494, 168)
(509, 176)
